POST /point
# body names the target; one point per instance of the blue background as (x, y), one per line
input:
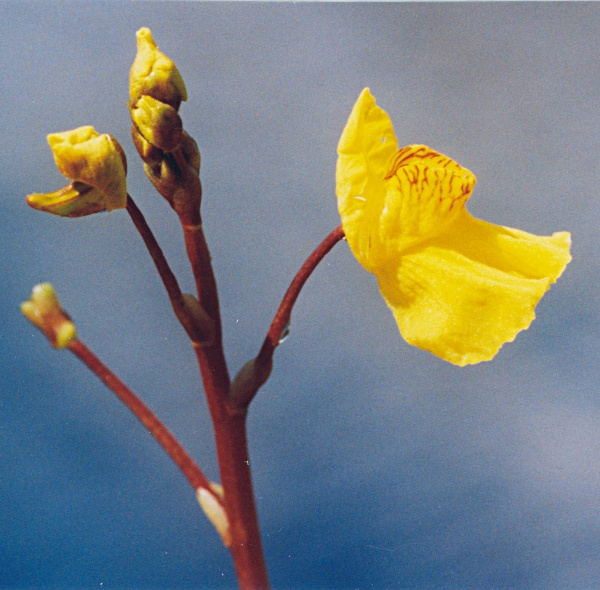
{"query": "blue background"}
(376, 465)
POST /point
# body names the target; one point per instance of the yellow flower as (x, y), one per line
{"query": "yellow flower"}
(97, 167)
(154, 74)
(43, 310)
(457, 286)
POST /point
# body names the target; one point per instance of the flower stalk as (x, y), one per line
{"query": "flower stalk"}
(255, 372)
(159, 431)
(172, 163)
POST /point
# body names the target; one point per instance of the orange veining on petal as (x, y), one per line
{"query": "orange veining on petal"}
(425, 192)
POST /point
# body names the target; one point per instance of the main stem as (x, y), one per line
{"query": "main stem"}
(229, 424)
(182, 188)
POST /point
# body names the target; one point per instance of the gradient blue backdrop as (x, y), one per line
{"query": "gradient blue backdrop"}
(376, 465)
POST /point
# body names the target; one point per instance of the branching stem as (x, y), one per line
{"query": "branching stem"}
(256, 372)
(282, 317)
(144, 414)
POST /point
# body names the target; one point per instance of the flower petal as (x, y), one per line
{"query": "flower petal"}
(74, 200)
(424, 193)
(467, 291)
(365, 148)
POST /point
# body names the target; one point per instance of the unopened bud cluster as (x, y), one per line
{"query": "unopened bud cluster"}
(156, 91)
(96, 166)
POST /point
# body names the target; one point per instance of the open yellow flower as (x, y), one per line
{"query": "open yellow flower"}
(458, 286)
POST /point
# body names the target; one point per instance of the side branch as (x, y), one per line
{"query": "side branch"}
(198, 326)
(158, 430)
(282, 317)
(255, 373)
(162, 266)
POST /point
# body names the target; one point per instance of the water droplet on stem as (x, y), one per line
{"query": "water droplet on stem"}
(285, 332)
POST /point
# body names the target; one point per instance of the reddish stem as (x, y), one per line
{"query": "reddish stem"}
(236, 479)
(165, 272)
(230, 428)
(184, 194)
(206, 285)
(282, 316)
(158, 430)
(229, 423)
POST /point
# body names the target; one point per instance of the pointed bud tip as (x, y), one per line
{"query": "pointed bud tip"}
(144, 35)
(154, 74)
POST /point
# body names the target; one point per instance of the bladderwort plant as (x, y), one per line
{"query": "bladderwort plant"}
(458, 287)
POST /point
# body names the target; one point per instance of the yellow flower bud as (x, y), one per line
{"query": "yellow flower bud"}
(154, 74)
(158, 122)
(97, 166)
(43, 310)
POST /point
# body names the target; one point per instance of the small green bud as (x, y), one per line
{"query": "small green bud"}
(43, 310)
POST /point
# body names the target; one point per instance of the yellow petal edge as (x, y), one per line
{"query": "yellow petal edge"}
(458, 286)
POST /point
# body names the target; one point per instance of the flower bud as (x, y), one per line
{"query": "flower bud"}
(158, 122)
(43, 310)
(250, 378)
(154, 74)
(96, 165)
(190, 150)
(215, 512)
